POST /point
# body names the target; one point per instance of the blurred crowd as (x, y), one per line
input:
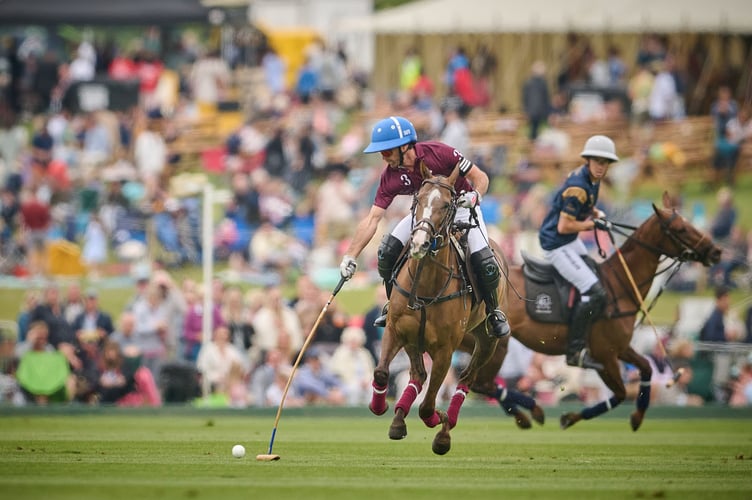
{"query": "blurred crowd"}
(119, 190)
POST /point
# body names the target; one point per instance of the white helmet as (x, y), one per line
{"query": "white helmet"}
(600, 146)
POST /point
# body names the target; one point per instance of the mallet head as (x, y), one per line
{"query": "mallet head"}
(267, 457)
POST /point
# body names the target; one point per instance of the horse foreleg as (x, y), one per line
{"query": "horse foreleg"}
(643, 397)
(398, 429)
(389, 349)
(612, 378)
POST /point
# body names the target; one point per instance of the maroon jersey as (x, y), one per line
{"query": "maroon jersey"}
(440, 160)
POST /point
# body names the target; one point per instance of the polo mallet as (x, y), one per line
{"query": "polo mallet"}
(270, 457)
(644, 311)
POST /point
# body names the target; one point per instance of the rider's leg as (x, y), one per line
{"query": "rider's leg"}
(389, 251)
(568, 261)
(487, 272)
(486, 269)
(588, 309)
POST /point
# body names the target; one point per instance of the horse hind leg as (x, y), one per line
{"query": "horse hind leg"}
(510, 400)
(643, 396)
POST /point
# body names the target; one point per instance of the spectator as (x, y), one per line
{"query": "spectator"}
(94, 251)
(455, 133)
(639, 89)
(124, 335)
(410, 69)
(43, 373)
(664, 391)
(93, 321)
(237, 318)
(726, 152)
(748, 325)
(741, 386)
(307, 82)
(32, 299)
(335, 202)
(210, 78)
(74, 303)
(663, 103)
(536, 100)
(123, 381)
(353, 365)
(151, 329)
(216, 358)
(276, 390)
(264, 376)
(36, 220)
(150, 150)
(316, 383)
(714, 330)
(277, 326)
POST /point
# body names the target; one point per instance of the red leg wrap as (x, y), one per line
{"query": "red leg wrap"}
(456, 403)
(378, 399)
(408, 396)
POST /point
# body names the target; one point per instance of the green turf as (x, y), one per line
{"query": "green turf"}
(112, 455)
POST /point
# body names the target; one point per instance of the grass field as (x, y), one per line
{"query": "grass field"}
(346, 454)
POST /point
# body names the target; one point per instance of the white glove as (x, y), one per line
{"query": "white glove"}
(602, 224)
(347, 267)
(470, 199)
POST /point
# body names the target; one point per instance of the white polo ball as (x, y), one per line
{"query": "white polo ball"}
(238, 451)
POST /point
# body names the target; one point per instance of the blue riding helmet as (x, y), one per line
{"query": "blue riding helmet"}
(390, 133)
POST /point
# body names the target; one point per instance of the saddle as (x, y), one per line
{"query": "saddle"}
(549, 296)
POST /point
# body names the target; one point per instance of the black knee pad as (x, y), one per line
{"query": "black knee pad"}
(597, 301)
(485, 265)
(389, 251)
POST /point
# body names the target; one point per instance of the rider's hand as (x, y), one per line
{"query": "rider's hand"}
(598, 213)
(347, 267)
(470, 199)
(602, 224)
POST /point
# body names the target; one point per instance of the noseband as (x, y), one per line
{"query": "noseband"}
(437, 235)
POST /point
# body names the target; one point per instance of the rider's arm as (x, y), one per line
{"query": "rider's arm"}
(478, 179)
(365, 231)
(568, 224)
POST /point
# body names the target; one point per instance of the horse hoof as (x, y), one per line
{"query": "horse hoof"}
(377, 413)
(635, 420)
(397, 432)
(568, 420)
(442, 443)
(538, 415)
(521, 420)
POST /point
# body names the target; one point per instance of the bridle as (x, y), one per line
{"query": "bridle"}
(437, 235)
(688, 251)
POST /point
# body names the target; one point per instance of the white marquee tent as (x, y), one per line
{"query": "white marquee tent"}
(494, 16)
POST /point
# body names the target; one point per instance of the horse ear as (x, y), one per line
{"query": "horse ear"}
(453, 176)
(667, 200)
(424, 171)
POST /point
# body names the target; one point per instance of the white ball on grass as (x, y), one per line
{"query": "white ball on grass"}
(238, 451)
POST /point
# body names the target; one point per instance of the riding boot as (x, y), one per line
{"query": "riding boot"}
(487, 272)
(389, 251)
(586, 312)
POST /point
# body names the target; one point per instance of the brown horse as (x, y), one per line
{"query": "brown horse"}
(665, 233)
(431, 310)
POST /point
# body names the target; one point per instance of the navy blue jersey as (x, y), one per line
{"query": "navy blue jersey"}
(576, 199)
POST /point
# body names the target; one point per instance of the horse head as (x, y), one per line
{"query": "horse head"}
(433, 210)
(681, 240)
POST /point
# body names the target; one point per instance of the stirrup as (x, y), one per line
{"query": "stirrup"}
(499, 324)
(582, 359)
(381, 320)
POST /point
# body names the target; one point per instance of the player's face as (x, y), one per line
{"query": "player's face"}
(391, 157)
(599, 167)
